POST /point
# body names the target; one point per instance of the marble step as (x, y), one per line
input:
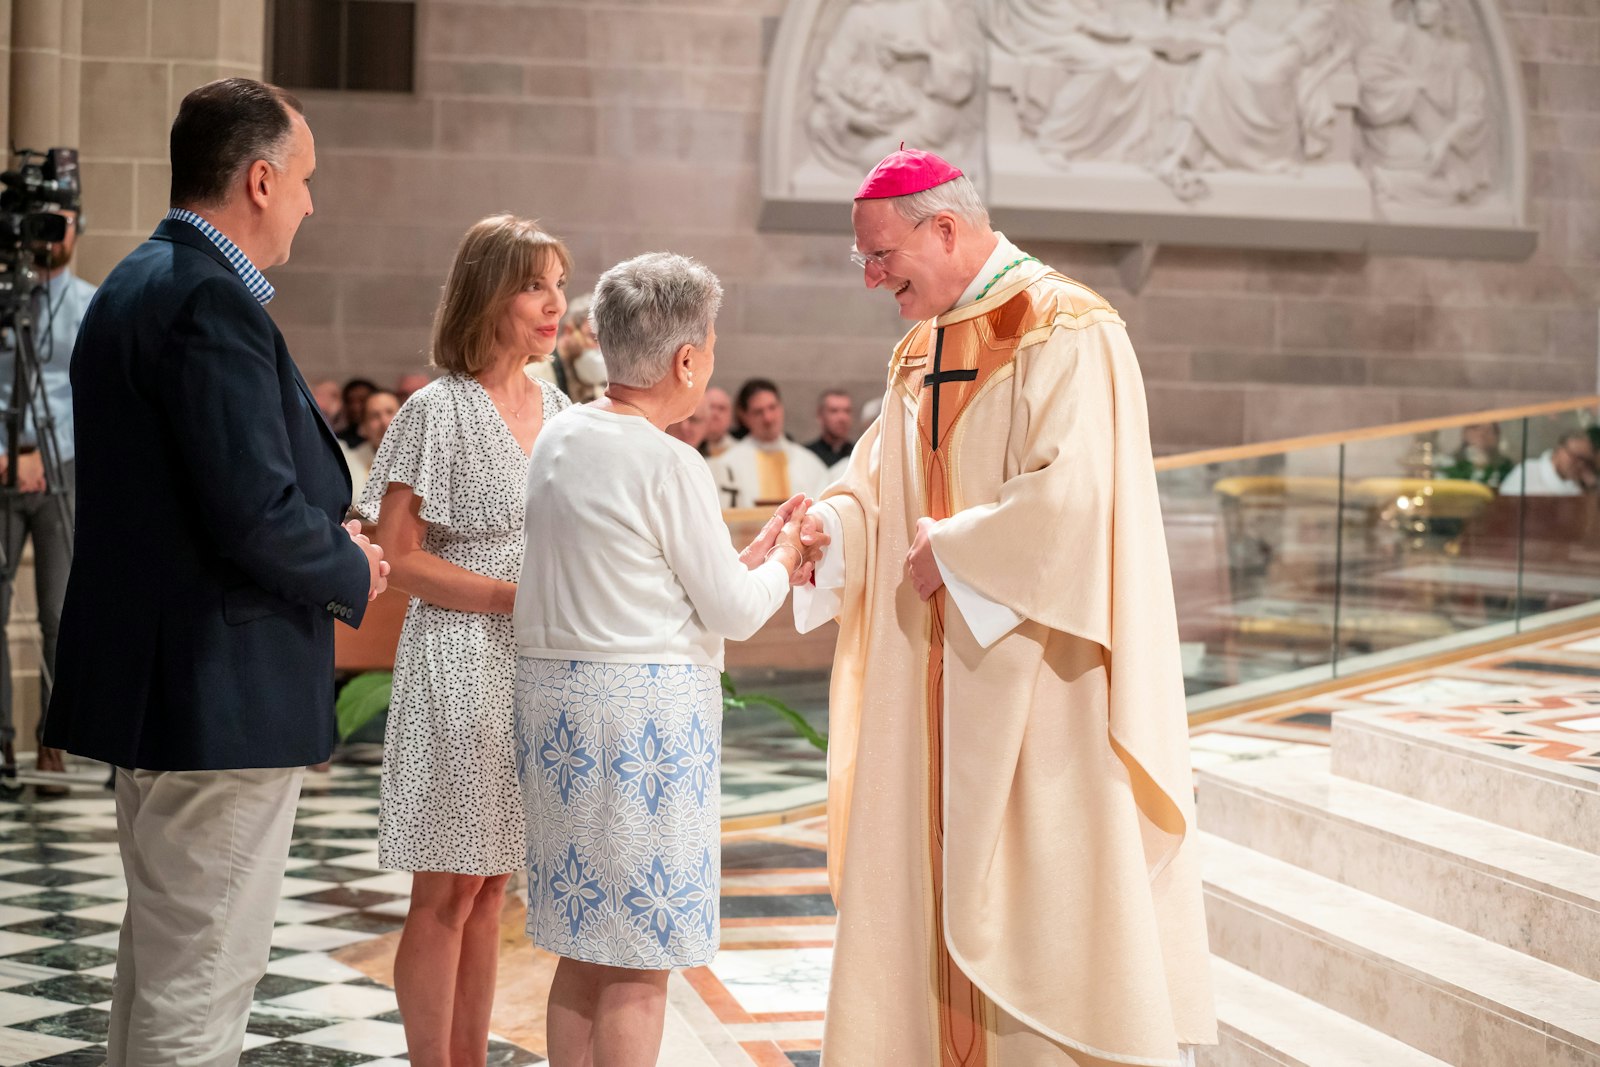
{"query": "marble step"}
(1520, 891)
(1423, 760)
(1446, 992)
(1264, 1025)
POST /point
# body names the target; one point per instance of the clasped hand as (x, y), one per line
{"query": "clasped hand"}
(30, 472)
(791, 526)
(377, 566)
(922, 570)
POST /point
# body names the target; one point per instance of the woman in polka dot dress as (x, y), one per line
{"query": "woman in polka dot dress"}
(450, 478)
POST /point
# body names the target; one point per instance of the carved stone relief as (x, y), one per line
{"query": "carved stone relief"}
(1187, 120)
(896, 70)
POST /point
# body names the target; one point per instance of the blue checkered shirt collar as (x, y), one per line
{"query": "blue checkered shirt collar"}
(253, 279)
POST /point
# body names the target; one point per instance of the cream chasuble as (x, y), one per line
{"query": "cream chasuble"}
(1011, 827)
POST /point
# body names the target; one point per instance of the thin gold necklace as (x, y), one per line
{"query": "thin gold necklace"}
(516, 412)
(628, 403)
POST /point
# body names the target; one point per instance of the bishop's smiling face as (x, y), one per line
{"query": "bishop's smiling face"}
(912, 261)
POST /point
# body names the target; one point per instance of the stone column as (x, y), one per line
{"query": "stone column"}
(5, 72)
(71, 73)
(38, 30)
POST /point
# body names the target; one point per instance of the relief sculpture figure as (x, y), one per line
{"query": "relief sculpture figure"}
(1423, 111)
(1090, 84)
(1259, 99)
(894, 70)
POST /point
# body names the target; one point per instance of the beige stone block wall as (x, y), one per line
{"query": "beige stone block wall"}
(137, 59)
(630, 127)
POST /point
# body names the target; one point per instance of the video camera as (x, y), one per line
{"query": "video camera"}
(42, 185)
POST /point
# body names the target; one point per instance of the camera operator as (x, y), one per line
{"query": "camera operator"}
(58, 306)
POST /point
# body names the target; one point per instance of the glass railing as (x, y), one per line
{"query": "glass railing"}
(1300, 561)
(1310, 559)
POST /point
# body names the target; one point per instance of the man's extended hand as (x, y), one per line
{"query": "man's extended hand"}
(377, 566)
(922, 570)
(813, 538)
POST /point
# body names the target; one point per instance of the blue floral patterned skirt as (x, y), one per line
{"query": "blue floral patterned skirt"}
(619, 765)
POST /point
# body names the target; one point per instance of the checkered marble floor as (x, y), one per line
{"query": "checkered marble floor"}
(759, 1003)
(61, 903)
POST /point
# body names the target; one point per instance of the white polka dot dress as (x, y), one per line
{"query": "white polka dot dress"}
(450, 798)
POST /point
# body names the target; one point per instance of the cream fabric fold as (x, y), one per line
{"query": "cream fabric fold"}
(1072, 895)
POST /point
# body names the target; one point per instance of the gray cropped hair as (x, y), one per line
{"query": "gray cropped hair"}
(958, 196)
(648, 307)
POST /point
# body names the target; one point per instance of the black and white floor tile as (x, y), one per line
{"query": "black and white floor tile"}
(61, 903)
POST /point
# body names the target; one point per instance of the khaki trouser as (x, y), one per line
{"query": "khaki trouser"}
(203, 853)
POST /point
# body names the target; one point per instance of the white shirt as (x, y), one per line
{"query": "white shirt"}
(358, 458)
(1542, 479)
(987, 619)
(739, 479)
(628, 560)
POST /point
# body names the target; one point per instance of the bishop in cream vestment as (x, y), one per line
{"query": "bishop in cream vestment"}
(1011, 823)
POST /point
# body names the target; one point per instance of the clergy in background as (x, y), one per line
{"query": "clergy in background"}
(1010, 806)
(766, 465)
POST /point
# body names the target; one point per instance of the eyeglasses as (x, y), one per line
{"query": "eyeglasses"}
(876, 259)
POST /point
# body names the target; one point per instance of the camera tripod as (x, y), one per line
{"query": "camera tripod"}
(28, 407)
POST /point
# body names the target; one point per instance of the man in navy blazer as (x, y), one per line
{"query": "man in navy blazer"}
(196, 648)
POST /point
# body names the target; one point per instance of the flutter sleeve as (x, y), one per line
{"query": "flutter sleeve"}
(417, 451)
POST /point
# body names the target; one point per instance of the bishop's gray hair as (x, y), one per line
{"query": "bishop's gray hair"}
(648, 307)
(958, 196)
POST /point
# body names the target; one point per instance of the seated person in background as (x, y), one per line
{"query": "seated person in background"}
(869, 415)
(410, 383)
(579, 368)
(765, 468)
(330, 402)
(1480, 458)
(356, 391)
(692, 430)
(719, 420)
(1565, 470)
(835, 414)
(379, 412)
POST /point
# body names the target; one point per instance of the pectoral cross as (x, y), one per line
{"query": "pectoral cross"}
(936, 378)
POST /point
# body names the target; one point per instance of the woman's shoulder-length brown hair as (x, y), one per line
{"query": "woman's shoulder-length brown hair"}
(498, 258)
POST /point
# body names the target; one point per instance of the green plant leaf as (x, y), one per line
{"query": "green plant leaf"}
(362, 699)
(732, 701)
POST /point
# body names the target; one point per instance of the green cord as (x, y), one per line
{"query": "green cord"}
(1002, 274)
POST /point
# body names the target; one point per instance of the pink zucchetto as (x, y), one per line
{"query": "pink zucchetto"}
(905, 172)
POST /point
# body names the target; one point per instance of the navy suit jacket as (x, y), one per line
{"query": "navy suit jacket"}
(209, 565)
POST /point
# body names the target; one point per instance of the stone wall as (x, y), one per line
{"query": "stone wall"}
(137, 59)
(632, 126)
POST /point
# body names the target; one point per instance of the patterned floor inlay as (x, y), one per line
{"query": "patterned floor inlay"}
(1537, 705)
(326, 1002)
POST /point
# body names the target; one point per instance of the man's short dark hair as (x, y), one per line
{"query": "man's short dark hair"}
(749, 390)
(223, 127)
(360, 383)
(823, 396)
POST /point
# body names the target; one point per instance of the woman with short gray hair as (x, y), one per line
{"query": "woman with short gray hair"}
(629, 587)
